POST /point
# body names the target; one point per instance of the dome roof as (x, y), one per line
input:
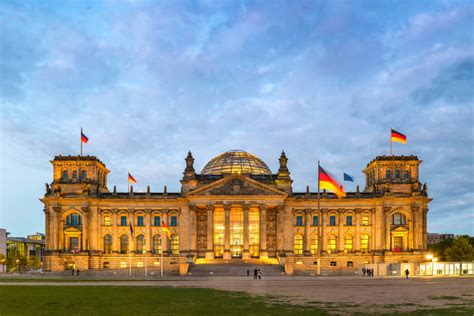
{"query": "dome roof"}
(236, 161)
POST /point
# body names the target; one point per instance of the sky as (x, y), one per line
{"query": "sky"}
(150, 80)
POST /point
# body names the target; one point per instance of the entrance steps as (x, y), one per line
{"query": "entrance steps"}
(235, 267)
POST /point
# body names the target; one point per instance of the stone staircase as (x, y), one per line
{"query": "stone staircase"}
(235, 267)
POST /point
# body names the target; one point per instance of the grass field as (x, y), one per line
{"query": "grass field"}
(124, 300)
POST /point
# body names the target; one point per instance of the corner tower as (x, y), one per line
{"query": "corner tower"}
(393, 174)
(78, 175)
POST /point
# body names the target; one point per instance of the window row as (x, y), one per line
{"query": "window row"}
(140, 221)
(74, 176)
(139, 247)
(365, 220)
(397, 174)
(331, 245)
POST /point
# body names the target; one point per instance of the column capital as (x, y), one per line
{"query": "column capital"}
(209, 207)
(308, 211)
(245, 207)
(263, 207)
(227, 207)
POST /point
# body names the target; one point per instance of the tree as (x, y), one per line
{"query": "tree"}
(460, 250)
(3, 261)
(439, 248)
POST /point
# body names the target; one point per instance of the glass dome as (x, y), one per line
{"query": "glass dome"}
(236, 161)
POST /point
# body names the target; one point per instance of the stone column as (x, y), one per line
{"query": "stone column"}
(425, 213)
(378, 225)
(85, 227)
(165, 247)
(55, 228)
(307, 238)
(246, 252)
(193, 230)
(357, 230)
(323, 238)
(280, 228)
(47, 230)
(148, 236)
(210, 232)
(227, 253)
(263, 232)
(340, 235)
(115, 237)
(93, 234)
(387, 229)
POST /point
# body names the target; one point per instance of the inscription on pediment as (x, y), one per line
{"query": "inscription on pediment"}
(238, 187)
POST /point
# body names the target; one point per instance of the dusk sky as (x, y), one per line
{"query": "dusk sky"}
(150, 80)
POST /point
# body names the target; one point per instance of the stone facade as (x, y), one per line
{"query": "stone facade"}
(235, 208)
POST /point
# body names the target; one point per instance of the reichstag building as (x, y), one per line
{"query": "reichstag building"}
(235, 209)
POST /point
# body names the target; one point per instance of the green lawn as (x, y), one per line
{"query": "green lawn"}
(124, 300)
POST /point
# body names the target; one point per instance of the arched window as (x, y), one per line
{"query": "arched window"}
(84, 175)
(314, 244)
(107, 244)
(74, 219)
(124, 244)
(399, 219)
(397, 174)
(332, 244)
(364, 243)
(365, 219)
(407, 174)
(107, 220)
(157, 244)
(175, 245)
(74, 175)
(388, 175)
(348, 243)
(140, 246)
(65, 175)
(298, 244)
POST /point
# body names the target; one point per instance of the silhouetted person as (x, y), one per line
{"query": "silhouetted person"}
(248, 272)
(363, 271)
(407, 273)
(72, 272)
(259, 274)
(77, 272)
(255, 272)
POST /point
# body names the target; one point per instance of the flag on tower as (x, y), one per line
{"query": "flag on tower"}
(328, 182)
(398, 137)
(84, 138)
(165, 229)
(131, 178)
(348, 177)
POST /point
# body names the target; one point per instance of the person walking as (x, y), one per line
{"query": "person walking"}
(77, 272)
(363, 271)
(72, 272)
(255, 272)
(259, 274)
(407, 272)
(248, 273)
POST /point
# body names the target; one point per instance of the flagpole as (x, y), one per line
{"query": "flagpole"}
(319, 227)
(80, 138)
(146, 271)
(391, 142)
(130, 260)
(161, 255)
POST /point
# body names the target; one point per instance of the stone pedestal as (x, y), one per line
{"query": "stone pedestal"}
(209, 254)
(246, 255)
(227, 255)
(263, 254)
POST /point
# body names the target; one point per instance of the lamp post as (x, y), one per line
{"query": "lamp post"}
(3, 266)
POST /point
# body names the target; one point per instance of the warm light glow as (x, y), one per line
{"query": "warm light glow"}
(435, 259)
(429, 256)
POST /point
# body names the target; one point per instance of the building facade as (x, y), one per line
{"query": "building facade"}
(434, 238)
(25, 253)
(236, 208)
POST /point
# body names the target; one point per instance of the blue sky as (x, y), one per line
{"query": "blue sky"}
(150, 80)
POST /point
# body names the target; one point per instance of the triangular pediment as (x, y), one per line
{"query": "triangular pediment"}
(72, 230)
(237, 185)
(399, 229)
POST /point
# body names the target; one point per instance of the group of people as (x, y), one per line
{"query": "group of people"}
(257, 273)
(367, 272)
(75, 270)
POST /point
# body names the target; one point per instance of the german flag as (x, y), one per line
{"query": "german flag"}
(327, 181)
(84, 138)
(131, 178)
(165, 229)
(398, 137)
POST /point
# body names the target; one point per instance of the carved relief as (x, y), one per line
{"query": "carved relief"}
(201, 226)
(239, 187)
(271, 230)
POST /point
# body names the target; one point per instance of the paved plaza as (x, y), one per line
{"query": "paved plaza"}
(336, 294)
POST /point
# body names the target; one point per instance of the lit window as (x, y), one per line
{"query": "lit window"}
(333, 264)
(350, 264)
(174, 220)
(107, 221)
(140, 221)
(315, 220)
(332, 220)
(106, 265)
(364, 243)
(139, 264)
(156, 221)
(140, 247)
(299, 220)
(156, 263)
(388, 175)
(175, 245)
(348, 220)
(314, 244)
(74, 174)
(332, 244)
(348, 244)
(157, 244)
(365, 220)
(298, 246)
(123, 244)
(107, 244)
(123, 264)
(123, 220)
(74, 219)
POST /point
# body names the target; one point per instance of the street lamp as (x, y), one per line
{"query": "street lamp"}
(3, 266)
